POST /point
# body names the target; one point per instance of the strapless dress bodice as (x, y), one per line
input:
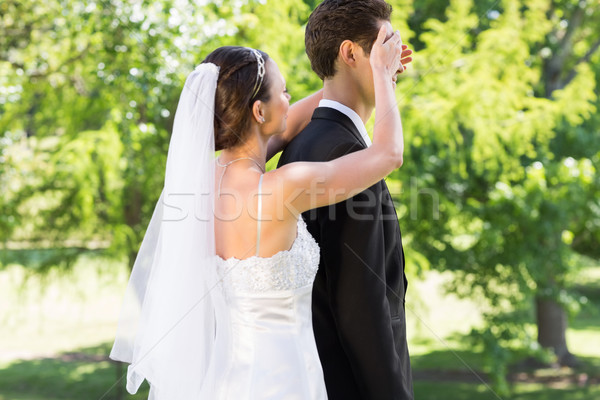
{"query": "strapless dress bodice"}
(285, 270)
(264, 332)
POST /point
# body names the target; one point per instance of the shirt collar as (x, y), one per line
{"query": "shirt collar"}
(350, 113)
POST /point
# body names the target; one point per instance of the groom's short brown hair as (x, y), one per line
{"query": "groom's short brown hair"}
(334, 21)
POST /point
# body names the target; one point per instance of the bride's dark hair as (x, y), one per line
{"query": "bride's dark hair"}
(238, 74)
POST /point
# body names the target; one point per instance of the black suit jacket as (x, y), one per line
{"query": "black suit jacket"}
(358, 293)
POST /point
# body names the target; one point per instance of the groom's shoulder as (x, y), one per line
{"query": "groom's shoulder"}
(321, 132)
(317, 140)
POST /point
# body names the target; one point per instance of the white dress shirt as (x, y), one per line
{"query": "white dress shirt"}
(350, 113)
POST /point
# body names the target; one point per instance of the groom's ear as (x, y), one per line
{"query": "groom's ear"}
(347, 52)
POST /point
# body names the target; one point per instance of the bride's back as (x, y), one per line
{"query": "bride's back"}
(237, 210)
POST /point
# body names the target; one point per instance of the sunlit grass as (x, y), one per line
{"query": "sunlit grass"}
(59, 330)
(536, 391)
(468, 391)
(43, 315)
(436, 320)
(63, 378)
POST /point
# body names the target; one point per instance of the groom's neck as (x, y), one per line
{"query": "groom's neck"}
(345, 91)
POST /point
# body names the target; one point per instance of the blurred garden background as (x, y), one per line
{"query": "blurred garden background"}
(498, 199)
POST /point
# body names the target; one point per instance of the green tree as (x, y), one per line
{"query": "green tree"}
(85, 127)
(494, 100)
(500, 119)
(88, 95)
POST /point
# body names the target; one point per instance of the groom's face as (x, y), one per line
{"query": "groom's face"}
(365, 73)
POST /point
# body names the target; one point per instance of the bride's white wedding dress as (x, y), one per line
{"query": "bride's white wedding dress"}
(197, 327)
(266, 349)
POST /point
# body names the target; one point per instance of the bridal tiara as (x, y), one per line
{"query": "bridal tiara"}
(260, 71)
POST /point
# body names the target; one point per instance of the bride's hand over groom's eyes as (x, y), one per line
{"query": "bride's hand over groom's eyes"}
(386, 55)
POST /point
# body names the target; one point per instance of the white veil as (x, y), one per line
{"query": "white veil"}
(167, 324)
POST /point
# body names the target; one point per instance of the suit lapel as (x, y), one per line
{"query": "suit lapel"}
(341, 118)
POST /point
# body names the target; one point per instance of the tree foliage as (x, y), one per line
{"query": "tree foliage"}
(89, 90)
(499, 111)
(510, 152)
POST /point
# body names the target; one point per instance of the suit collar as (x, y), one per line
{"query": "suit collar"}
(339, 117)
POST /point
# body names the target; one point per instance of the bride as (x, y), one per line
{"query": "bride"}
(218, 303)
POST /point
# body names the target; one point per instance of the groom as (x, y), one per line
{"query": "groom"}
(358, 293)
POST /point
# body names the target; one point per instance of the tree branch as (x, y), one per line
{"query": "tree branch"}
(585, 58)
(37, 74)
(565, 46)
(590, 53)
(554, 67)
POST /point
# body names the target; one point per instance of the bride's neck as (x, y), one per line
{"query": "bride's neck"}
(253, 148)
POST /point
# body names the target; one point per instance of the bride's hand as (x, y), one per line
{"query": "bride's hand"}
(386, 55)
(406, 59)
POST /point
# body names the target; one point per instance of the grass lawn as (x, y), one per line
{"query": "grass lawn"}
(85, 374)
(56, 334)
(426, 390)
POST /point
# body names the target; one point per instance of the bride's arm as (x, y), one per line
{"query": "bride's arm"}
(299, 116)
(308, 185)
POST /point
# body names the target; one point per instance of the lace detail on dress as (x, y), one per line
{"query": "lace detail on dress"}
(288, 269)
